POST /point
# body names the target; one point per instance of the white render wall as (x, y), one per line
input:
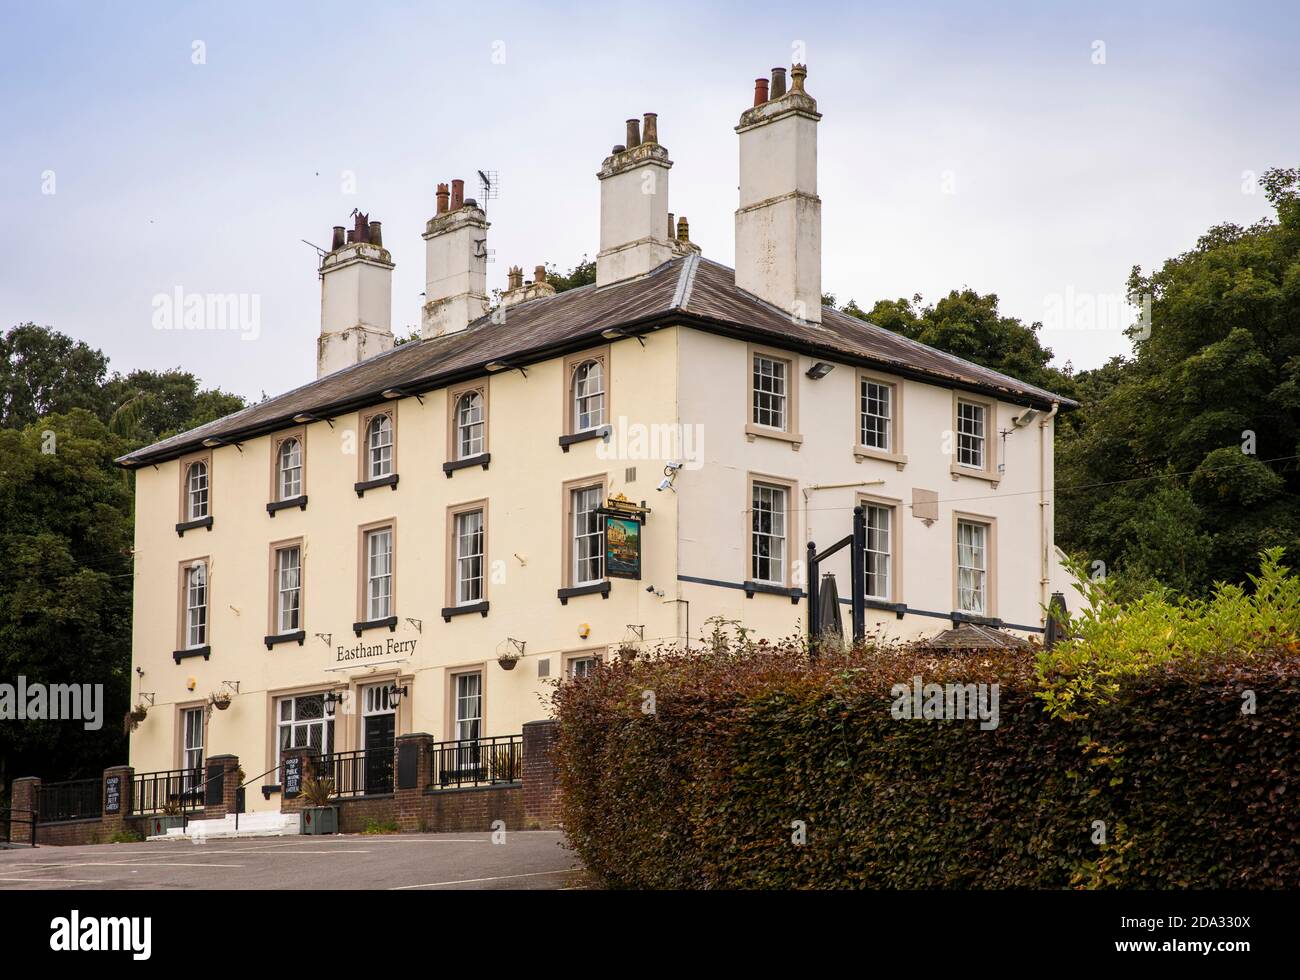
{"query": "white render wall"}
(713, 502)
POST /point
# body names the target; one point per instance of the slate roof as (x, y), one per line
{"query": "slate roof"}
(688, 290)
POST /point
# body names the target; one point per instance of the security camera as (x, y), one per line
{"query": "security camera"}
(666, 484)
(670, 474)
(672, 467)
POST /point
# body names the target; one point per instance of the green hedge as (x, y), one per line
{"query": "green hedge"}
(689, 772)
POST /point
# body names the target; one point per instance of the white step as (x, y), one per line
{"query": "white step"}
(266, 824)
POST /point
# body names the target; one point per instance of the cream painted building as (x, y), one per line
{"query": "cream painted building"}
(413, 542)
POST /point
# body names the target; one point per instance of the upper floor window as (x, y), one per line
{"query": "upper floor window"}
(469, 557)
(288, 589)
(771, 377)
(769, 510)
(196, 491)
(879, 557)
(379, 573)
(470, 425)
(379, 447)
(972, 567)
(877, 415)
(971, 434)
(196, 605)
(587, 544)
(588, 396)
(289, 469)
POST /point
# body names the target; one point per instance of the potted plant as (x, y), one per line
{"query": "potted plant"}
(221, 700)
(318, 815)
(508, 660)
(170, 818)
(134, 717)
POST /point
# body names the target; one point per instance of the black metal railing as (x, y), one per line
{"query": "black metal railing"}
(168, 790)
(360, 772)
(17, 827)
(74, 799)
(473, 761)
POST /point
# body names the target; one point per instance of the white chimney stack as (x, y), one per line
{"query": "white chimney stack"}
(356, 298)
(779, 221)
(455, 264)
(634, 234)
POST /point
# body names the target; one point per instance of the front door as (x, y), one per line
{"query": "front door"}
(379, 733)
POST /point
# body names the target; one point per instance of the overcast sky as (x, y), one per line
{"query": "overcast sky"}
(1033, 150)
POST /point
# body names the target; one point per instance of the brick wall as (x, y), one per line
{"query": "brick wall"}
(541, 801)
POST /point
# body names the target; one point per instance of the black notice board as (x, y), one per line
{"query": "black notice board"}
(216, 779)
(113, 794)
(292, 779)
(408, 757)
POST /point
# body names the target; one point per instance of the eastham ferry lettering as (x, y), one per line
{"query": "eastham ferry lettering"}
(364, 650)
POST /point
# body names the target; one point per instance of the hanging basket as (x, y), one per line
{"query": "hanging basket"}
(507, 663)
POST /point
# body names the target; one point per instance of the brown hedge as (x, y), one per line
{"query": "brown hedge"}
(703, 790)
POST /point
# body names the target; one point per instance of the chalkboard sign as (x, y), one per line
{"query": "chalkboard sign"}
(216, 782)
(292, 782)
(113, 794)
(408, 759)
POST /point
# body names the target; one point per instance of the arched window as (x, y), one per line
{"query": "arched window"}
(588, 396)
(197, 491)
(379, 447)
(469, 425)
(290, 469)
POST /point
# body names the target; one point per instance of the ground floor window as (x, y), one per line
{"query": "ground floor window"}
(304, 723)
(469, 706)
(972, 567)
(192, 747)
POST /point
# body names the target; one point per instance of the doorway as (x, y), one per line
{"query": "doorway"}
(378, 737)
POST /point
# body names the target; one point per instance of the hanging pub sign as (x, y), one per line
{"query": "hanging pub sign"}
(623, 521)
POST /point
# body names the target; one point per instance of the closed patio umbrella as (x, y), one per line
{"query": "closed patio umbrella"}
(828, 610)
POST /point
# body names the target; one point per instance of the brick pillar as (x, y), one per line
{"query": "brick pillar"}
(123, 778)
(541, 792)
(307, 762)
(412, 772)
(23, 795)
(229, 765)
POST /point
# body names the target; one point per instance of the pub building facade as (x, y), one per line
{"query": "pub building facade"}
(428, 535)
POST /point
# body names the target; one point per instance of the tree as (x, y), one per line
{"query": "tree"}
(969, 325)
(1207, 410)
(582, 274)
(42, 371)
(65, 587)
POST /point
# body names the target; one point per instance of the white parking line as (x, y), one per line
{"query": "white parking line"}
(475, 881)
(57, 881)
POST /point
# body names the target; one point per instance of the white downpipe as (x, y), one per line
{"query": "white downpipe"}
(1044, 538)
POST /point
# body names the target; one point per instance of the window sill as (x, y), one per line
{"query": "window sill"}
(600, 432)
(565, 595)
(958, 616)
(299, 636)
(482, 459)
(300, 502)
(374, 624)
(959, 471)
(465, 610)
(753, 431)
(899, 609)
(768, 589)
(184, 526)
(204, 651)
(861, 453)
(383, 481)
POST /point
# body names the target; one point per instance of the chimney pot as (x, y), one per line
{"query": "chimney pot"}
(539, 274)
(457, 195)
(633, 133)
(618, 148)
(778, 83)
(683, 229)
(352, 236)
(797, 74)
(340, 238)
(650, 132)
(514, 277)
(377, 233)
(442, 196)
(672, 226)
(760, 91)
